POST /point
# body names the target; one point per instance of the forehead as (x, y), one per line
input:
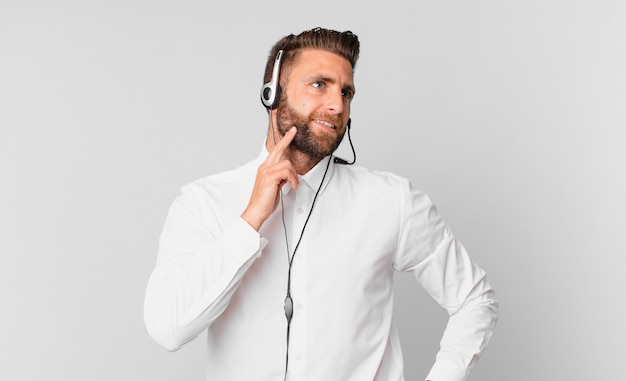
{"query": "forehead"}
(322, 62)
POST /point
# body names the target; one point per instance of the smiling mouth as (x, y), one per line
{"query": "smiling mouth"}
(325, 123)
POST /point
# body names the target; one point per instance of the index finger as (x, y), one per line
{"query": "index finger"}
(284, 142)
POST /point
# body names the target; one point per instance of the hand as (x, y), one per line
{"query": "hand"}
(271, 176)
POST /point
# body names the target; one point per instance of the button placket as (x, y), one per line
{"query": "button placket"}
(299, 280)
(298, 339)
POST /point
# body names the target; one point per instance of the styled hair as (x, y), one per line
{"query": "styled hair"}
(345, 44)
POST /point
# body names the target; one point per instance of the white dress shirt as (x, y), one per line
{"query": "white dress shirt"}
(215, 273)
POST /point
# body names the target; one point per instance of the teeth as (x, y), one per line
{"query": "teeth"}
(328, 124)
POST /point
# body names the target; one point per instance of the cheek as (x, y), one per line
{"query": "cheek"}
(308, 102)
(299, 99)
(307, 108)
(346, 109)
(305, 103)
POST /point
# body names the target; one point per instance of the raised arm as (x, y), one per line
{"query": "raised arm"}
(203, 256)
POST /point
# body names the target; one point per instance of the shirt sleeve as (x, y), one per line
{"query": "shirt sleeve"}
(443, 267)
(198, 269)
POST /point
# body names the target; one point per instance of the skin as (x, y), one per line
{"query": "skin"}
(319, 90)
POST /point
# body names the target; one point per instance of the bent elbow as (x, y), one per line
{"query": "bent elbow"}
(162, 327)
(170, 344)
(165, 335)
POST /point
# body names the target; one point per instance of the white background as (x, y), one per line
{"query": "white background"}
(509, 114)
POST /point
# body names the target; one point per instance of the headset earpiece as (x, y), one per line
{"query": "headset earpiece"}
(270, 92)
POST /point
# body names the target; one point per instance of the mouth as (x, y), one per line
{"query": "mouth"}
(325, 123)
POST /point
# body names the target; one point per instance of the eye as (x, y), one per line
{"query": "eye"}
(347, 94)
(318, 84)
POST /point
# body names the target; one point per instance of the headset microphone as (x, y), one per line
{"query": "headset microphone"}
(341, 161)
(270, 92)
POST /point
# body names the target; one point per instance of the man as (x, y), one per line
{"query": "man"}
(287, 262)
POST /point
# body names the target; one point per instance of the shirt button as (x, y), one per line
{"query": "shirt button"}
(300, 210)
(298, 357)
(299, 306)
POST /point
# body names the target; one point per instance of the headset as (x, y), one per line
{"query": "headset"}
(270, 92)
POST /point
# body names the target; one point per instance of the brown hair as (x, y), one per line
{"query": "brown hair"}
(345, 44)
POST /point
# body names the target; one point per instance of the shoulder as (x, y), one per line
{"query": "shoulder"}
(219, 190)
(236, 177)
(368, 177)
(384, 188)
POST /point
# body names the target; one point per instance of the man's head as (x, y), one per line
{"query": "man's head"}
(345, 44)
(316, 81)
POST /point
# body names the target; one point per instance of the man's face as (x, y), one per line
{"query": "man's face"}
(317, 101)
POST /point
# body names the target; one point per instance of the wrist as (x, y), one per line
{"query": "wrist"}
(255, 223)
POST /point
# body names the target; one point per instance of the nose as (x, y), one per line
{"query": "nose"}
(335, 102)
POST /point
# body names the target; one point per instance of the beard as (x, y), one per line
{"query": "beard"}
(316, 146)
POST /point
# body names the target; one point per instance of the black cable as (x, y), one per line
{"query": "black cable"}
(339, 160)
(288, 299)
